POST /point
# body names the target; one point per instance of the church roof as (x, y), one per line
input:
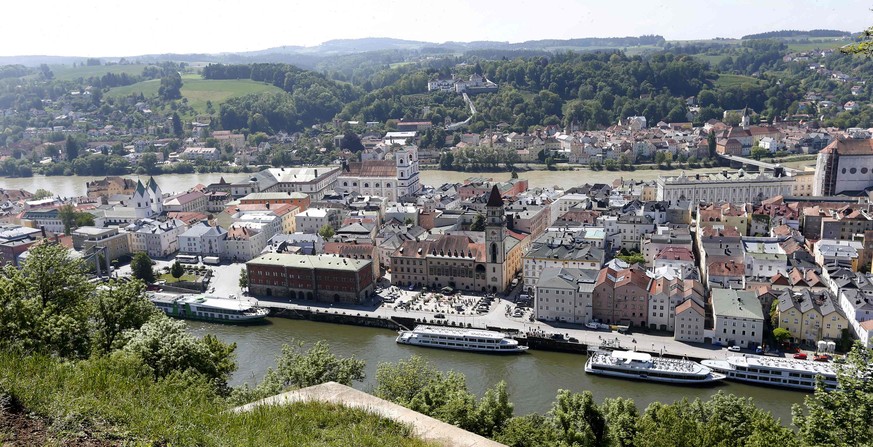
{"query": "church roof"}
(495, 199)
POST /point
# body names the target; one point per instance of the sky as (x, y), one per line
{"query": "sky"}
(104, 28)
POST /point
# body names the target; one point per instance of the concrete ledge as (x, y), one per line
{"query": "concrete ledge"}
(423, 427)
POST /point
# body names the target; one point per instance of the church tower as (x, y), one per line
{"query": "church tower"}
(157, 197)
(495, 240)
(406, 160)
(140, 201)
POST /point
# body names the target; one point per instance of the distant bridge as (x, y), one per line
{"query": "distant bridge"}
(760, 164)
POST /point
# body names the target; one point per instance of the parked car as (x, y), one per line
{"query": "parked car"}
(734, 348)
(439, 316)
(800, 356)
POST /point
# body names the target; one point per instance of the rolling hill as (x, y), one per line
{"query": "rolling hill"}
(198, 90)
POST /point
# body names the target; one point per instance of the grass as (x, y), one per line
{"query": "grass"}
(115, 398)
(69, 73)
(185, 277)
(730, 80)
(820, 44)
(199, 90)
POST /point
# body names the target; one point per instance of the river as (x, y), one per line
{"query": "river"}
(533, 378)
(74, 185)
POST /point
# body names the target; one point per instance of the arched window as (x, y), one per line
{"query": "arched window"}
(366, 185)
(494, 252)
(388, 185)
(345, 183)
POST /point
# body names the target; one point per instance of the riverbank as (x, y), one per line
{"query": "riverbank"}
(537, 335)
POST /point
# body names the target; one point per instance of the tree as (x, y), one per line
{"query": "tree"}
(71, 148)
(351, 142)
(621, 418)
(42, 194)
(119, 306)
(710, 143)
(72, 218)
(532, 430)
(300, 368)
(243, 278)
(149, 162)
(171, 87)
(863, 47)
(759, 152)
(781, 334)
(141, 268)
(840, 417)
(579, 420)
(478, 223)
(177, 270)
(44, 304)
(447, 160)
(632, 257)
(166, 346)
(493, 411)
(514, 174)
(326, 231)
(177, 125)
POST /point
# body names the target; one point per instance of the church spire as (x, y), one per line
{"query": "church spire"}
(495, 199)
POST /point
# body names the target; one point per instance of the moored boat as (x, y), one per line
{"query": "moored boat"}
(475, 340)
(782, 372)
(642, 366)
(209, 308)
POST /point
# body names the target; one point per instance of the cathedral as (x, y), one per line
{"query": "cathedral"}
(465, 261)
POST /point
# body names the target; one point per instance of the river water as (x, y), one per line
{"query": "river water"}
(533, 378)
(74, 185)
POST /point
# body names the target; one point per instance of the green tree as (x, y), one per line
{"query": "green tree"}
(165, 346)
(149, 163)
(177, 125)
(400, 382)
(350, 141)
(711, 144)
(42, 194)
(44, 305)
(632, 257)
(176, 270)
(578, 419)
(759, 152)
(493, 411)
(514, 174)
(447, 160)
(71, 147)
(781, 334)
(119, 306)
(326, 231)
(243, 278)
(621, 418)
(171, 87)
(532, 430)
(300, 368)
(141, 267)
(478, 223)
(840, 417)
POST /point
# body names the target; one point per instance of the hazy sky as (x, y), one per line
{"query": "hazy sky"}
(129, 28)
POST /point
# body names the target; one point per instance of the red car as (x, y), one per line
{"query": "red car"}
(800, 356)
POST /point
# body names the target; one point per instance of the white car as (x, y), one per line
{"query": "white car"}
(734, 348)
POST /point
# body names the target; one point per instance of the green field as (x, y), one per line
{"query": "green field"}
(199, 90)
(713, 59)
(729, 80)
(69, 73)
(822, 44)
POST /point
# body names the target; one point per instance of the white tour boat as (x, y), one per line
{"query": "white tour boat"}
(209, 308)
(460, 339)
(642, 366)
(789, 373)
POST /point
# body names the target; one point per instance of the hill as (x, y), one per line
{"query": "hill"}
(198, 90)
(798, 34)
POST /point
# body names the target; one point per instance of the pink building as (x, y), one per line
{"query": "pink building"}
(621, 296)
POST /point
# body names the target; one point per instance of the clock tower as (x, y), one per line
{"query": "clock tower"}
(495, 240)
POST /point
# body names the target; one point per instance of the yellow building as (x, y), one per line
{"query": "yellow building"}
(810, 316)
